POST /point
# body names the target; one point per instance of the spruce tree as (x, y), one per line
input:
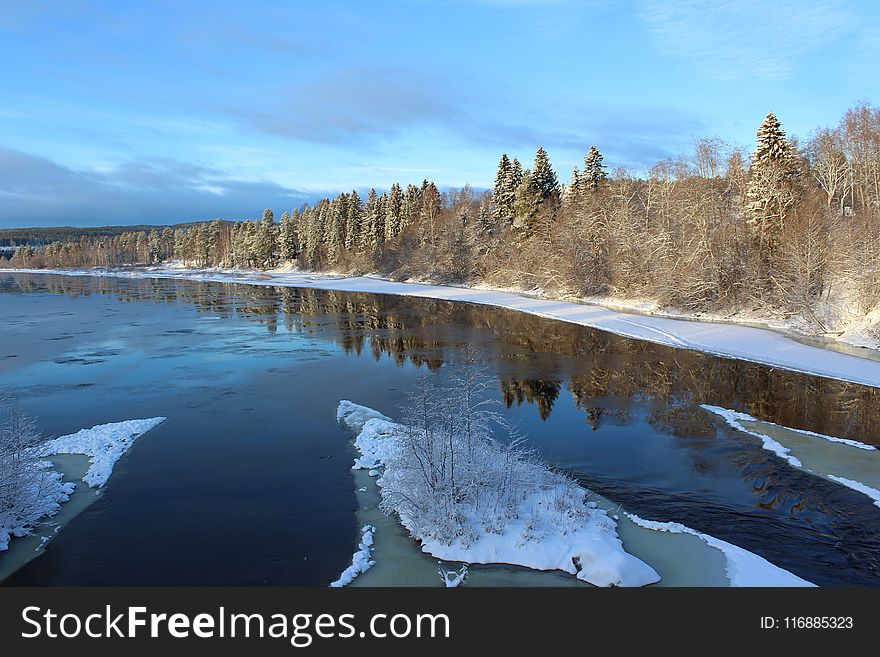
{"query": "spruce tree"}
(773, 185)
(503, 192)
(266, 240)
(528, 199)
(393, 211)
(353, 221)
(288, 239)
(543, 175)
(594, 175)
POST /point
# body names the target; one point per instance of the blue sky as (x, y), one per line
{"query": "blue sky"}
(157, 112)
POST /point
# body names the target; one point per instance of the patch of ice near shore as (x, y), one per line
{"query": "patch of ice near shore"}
(736, 418)
(104, 444)
(360, 560)
(744, 568)
(586, 546)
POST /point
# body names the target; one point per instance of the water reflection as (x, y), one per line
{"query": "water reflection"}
(604, 373)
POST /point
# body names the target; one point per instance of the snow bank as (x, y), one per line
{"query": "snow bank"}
(360, 560)
(104, 444)
(873, 493)
(552, 528)
(725, 340)
(744, 568)
(736, 418)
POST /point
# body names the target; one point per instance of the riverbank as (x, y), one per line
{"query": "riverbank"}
(767, 346)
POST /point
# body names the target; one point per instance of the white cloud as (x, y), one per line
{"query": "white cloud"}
(728, 39)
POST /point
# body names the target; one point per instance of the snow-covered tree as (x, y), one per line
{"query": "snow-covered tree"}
(543, 176)
(353, 221)
(773, 180)
(594, 175)
(267, 240)
(526, 203)
(503, 191)
(288, 240)
(393, 212)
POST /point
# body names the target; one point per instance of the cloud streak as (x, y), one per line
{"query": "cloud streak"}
(729, 39)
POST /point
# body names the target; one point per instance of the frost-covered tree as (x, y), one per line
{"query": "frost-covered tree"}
(773, 180)
(393, 212)
(28, 490)
(267, 240)
(288, 240)
(353, 221)
(543, 176)
(594, 175)
(503, 192)
(374, 224)
(526, 203)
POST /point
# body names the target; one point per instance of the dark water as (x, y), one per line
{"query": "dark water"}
(248, 481)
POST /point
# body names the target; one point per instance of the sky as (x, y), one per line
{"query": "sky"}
(161, 112)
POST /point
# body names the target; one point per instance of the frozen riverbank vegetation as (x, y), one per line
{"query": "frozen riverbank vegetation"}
(30, 489)
(467, 497)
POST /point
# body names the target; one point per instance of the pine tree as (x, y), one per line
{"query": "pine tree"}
(336, 233)
(502, 197)
(528, 199)
(353, 220)
(267, 241)
(374, 224)
(485, 223)
(288, 239)
(571, 195)
(594, 171)
(410, 206)
(155, 248)
(394, 209)
(543, 176)
(773, 186)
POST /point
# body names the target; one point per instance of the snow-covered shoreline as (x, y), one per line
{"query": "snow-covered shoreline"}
(103, 444)
(735, 341)
(854, 449)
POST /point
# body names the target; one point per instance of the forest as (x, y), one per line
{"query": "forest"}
(791, 229)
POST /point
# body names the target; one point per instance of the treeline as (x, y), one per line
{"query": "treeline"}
(793, 228)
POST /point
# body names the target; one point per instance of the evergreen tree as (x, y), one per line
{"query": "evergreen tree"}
(374, 224)
(155, 248)
(410, 206)
(288, 239)
(543, 176)
(594, 171)
(266, 241)
(353, 220)
(502, 193)
(773, 185)
(393, 212)
(485, 224)
(528, 199)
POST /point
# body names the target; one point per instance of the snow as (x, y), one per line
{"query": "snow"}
(360, 560)
(104, 444)
(873, 493)
(736, 418)
(744, 568)
(749, 343)
(552, 528)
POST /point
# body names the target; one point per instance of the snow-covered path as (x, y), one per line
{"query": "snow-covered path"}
(726, 340)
